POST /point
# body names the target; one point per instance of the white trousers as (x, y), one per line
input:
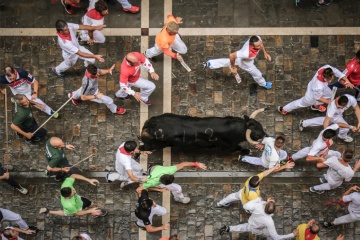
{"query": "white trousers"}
(146, 86)
(246, 65)
(70, 60)
(136, 169)
(178, 45)
(319, 121)
(328, 185)
(245, 227)
(346, 219)
(14, 217)
(231, 198)
(98, 36)
(305, 151)
(47, 109)
(104, 99)
(175, 189)
(254, 161)
(306, 102)
(158, 211)
(125, 4)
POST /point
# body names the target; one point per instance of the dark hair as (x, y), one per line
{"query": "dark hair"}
(60, 25)
(18, 98)
(167, 179)
(254, 181)
(77, 238)
(270, 207)
(130, 146)
(101, 6)
(174, 237)
(343, 100)
(315, 228)
(348, 155)
(280, 141)
(92, 69)
(328, 73)
(147, 203)
(9, 70)
(254, 39)
(358, 54)
(7, 233)
(329, 133)
(65, 192)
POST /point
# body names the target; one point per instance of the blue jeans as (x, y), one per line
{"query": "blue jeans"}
(339, 85)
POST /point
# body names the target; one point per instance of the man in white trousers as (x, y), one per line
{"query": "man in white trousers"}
(334, 114)
(71, 50)
(272, 154)
(89, 90)
(352, 196)
(167, 40)
(94, 17)
(244, 58)
(250, 191)
(317, 92)
(319, 150)
(260, 222)
(130, 76)
(20, 82)
(127, 169)
(338, 171)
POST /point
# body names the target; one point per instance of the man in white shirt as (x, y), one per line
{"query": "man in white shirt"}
(319, 150)
(353, 208)
(127, 169)
(244, 58)
(317, 92)
(71, 50)
(260, 222)
(338, 171)
(334, 114)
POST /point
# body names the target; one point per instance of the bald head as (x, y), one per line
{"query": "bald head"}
(56, 142)
(131, 58)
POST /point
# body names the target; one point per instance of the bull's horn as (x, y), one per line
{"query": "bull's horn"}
(248, 138)
(253, 115)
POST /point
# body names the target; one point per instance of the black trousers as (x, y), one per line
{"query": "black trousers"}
(64, 163)
(10, 181)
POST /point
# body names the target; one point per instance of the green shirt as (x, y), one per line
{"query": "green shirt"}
(74, 204)
(23, 117)
(154, 178)
(54, 155)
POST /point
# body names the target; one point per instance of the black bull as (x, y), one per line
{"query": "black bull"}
(194, 133)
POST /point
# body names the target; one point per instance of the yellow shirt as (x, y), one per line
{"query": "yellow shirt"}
(248, 193)
(301, 236)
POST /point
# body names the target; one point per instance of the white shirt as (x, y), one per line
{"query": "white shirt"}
(320, 146)
(354, 206)
(338, 172)
(270, 155)
(123, 161)
(334, 113)
(316, 88)
(259, 220)
(70, 48)
(244, 52)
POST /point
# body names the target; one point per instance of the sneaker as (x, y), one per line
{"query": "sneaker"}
(328, 225)
(218, 204)
(55, 115)
(312, 189)
(297, 2)
(204, 65)
(12, 100)
(322, 4)
(268, 85)
(241, 158)
(133, 9)
(301, 127)
(36, 139)
(323, 179)
(59, 74)
(33, 228)
(74, 101)
(28, 140)
(348, 139)
(281, 110)
(120, 110)
(148, 102)
(125, 98)
(185, 200)
(123, 184)
(319, 108)
(59, 178)
(67, 7)
(107, 178)
(44, 211)
(22, 190)
(224, 229)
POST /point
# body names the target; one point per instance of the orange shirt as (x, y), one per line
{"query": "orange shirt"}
(164, 40)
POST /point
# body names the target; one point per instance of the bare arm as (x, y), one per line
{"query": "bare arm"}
(266, 55)
(357, 113)
(150, 228)
(18, 130)
(315, 159)
(56, 169)
(190, 164)
(133, 178)
(87, 55)
(80, 177)
(91, 28)
(327, 121)
(270, 170)
(287, 165)
(233, 57)
(324, 100)
(24, 231)
(36, 89)
(353, 188)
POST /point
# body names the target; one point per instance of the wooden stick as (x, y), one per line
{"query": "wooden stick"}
(82, 160)
(55, 112)
(333, 93)
(6, 155)
(183, 63)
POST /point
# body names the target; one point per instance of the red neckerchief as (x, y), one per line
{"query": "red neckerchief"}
(320, 75)
(88, 75)
(122, 150)
(94, 14)
(64, 37)
(309, 235)
(252, 51)
(328, 143)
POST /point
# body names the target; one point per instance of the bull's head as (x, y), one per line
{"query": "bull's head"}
(254, 130)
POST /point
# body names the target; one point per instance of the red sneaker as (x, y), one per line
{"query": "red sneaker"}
(120, 110)
(148, 102)
(74, 101)
(74, 4)
(319, 108)
(281, 110)
(133, 9)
